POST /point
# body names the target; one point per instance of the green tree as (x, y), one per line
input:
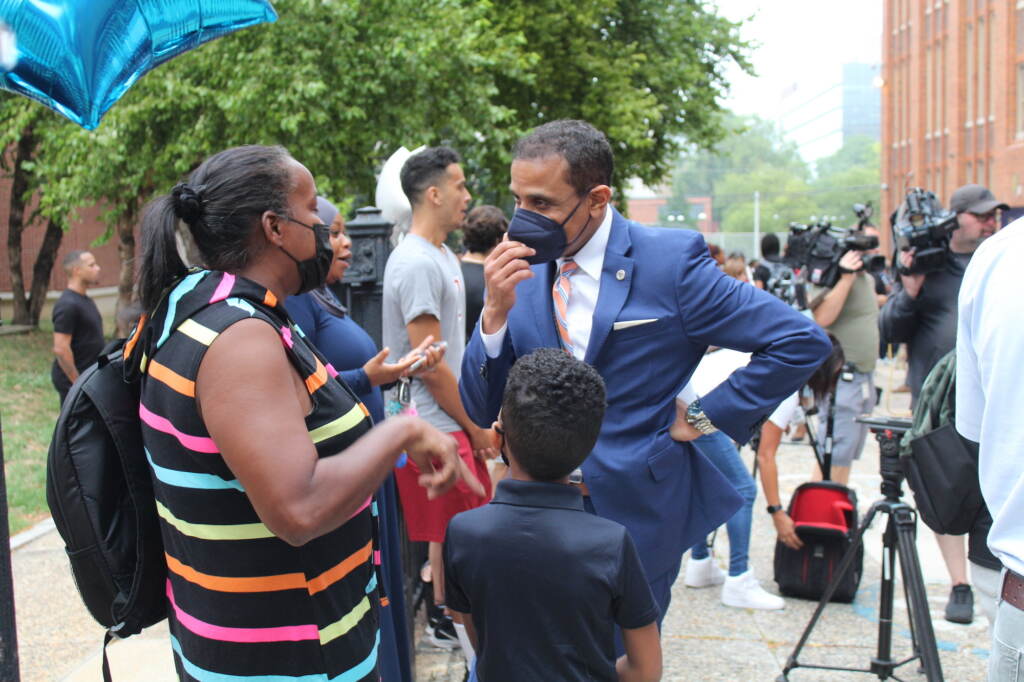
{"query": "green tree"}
(752, 156)
(784, 197)
(25, 125)
(649, 73)
(850, 175)
(343, 83)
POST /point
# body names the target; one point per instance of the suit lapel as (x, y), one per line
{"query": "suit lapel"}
(616, 280)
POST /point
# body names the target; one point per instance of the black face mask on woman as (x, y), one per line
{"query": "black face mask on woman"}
(313, 271)
(542, 234)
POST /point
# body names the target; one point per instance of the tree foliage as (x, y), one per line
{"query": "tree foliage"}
(342, 83)
(755, 157)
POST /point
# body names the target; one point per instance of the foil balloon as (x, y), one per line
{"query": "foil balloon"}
(79, 57)
(390, 198)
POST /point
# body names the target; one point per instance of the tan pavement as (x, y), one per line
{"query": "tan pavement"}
(702, 639)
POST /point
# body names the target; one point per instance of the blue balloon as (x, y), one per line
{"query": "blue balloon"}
(79, 57)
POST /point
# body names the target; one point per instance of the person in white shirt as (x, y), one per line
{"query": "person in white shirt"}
(989, 405)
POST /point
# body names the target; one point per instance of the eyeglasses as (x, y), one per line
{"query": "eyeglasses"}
(985, 217)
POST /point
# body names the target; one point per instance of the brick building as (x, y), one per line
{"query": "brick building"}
(953, 98)
(80, 236)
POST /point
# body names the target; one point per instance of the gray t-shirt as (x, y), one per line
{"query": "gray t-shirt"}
(857, 324)
(422, 279)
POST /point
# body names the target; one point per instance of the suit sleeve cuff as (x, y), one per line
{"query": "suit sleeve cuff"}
(688, 394)
(493, 342)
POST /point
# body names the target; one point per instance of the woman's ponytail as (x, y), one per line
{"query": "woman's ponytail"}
(161, 264)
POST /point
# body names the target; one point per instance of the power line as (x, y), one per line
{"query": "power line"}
(764, 193)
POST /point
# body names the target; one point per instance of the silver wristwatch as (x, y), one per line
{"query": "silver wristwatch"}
(696, 418)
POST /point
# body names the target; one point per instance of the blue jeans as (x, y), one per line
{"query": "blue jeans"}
(718, 448)
(1006, 660)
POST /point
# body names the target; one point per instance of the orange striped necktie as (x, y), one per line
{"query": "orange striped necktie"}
(560, 293)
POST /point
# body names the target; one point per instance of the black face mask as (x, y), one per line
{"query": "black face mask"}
(543, 234)
(313, 271)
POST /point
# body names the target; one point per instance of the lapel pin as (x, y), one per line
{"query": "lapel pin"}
(620, 275)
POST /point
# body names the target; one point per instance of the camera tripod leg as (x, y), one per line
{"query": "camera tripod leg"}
(844, 566)
(905, 520)
(882, 664)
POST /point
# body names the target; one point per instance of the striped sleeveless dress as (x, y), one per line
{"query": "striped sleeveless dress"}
(243, 605)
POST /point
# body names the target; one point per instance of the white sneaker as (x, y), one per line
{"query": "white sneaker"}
(744, 592)
(703, 573)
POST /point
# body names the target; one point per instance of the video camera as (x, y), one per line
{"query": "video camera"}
(923, 225)
(817, 248)
(784, 284)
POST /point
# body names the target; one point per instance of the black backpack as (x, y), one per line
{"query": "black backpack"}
(100, 494)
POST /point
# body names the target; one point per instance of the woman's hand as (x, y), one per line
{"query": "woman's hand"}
(437, 456)
(786, 530)
(380, 372)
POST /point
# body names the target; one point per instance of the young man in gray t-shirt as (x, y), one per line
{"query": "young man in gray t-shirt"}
(424, 295)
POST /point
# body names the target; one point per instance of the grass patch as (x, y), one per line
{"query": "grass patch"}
(28, 410)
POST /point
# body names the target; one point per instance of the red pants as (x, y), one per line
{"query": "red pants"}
(427, 520)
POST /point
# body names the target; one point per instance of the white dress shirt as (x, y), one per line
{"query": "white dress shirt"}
(989, 396)
(585, 287)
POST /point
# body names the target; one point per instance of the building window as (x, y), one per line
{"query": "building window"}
(929, 88)
(1019, 101)
(981, 75)
(989, 39)
(971, 73)
(1020, 28)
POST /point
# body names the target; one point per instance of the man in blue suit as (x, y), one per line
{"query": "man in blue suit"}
(641, 305)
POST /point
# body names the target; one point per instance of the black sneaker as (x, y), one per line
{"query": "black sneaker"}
(960, 608)
(441, 629)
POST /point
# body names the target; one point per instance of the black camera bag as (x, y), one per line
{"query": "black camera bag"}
(942, 472)
(825, 516)
(941, 466)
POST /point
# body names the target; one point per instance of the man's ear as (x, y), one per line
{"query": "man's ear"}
(495, 436)
(600, 196)
(433, 195)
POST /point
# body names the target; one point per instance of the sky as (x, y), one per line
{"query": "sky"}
(801, 47)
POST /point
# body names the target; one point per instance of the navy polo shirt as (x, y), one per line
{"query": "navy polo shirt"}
(546, 583)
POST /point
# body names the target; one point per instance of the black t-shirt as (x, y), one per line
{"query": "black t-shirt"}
(473, 276)
(77, 315)
(546, 583)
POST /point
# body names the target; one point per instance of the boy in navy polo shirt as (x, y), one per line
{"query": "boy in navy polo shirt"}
(539, 583)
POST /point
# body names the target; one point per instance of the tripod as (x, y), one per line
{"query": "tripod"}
(898, 539)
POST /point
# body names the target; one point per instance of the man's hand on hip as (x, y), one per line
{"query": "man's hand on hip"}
(682, 430)
(503, 270)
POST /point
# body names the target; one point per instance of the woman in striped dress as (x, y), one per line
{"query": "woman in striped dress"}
(263, 463)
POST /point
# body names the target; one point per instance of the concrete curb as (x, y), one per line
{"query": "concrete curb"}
(34, 533)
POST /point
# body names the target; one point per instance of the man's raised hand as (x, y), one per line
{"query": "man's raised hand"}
(503, 270)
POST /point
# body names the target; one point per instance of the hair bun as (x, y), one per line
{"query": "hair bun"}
(188, 204)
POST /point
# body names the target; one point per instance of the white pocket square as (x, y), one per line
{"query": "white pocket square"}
(626, 324)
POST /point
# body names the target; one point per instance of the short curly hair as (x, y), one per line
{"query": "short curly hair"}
(585, 149)
(551, 412)
(483, 229)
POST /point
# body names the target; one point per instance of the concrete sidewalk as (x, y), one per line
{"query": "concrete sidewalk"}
(702, 639)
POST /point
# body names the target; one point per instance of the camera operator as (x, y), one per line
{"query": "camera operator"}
(849, 311)
(922, 311)
(923, 314)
